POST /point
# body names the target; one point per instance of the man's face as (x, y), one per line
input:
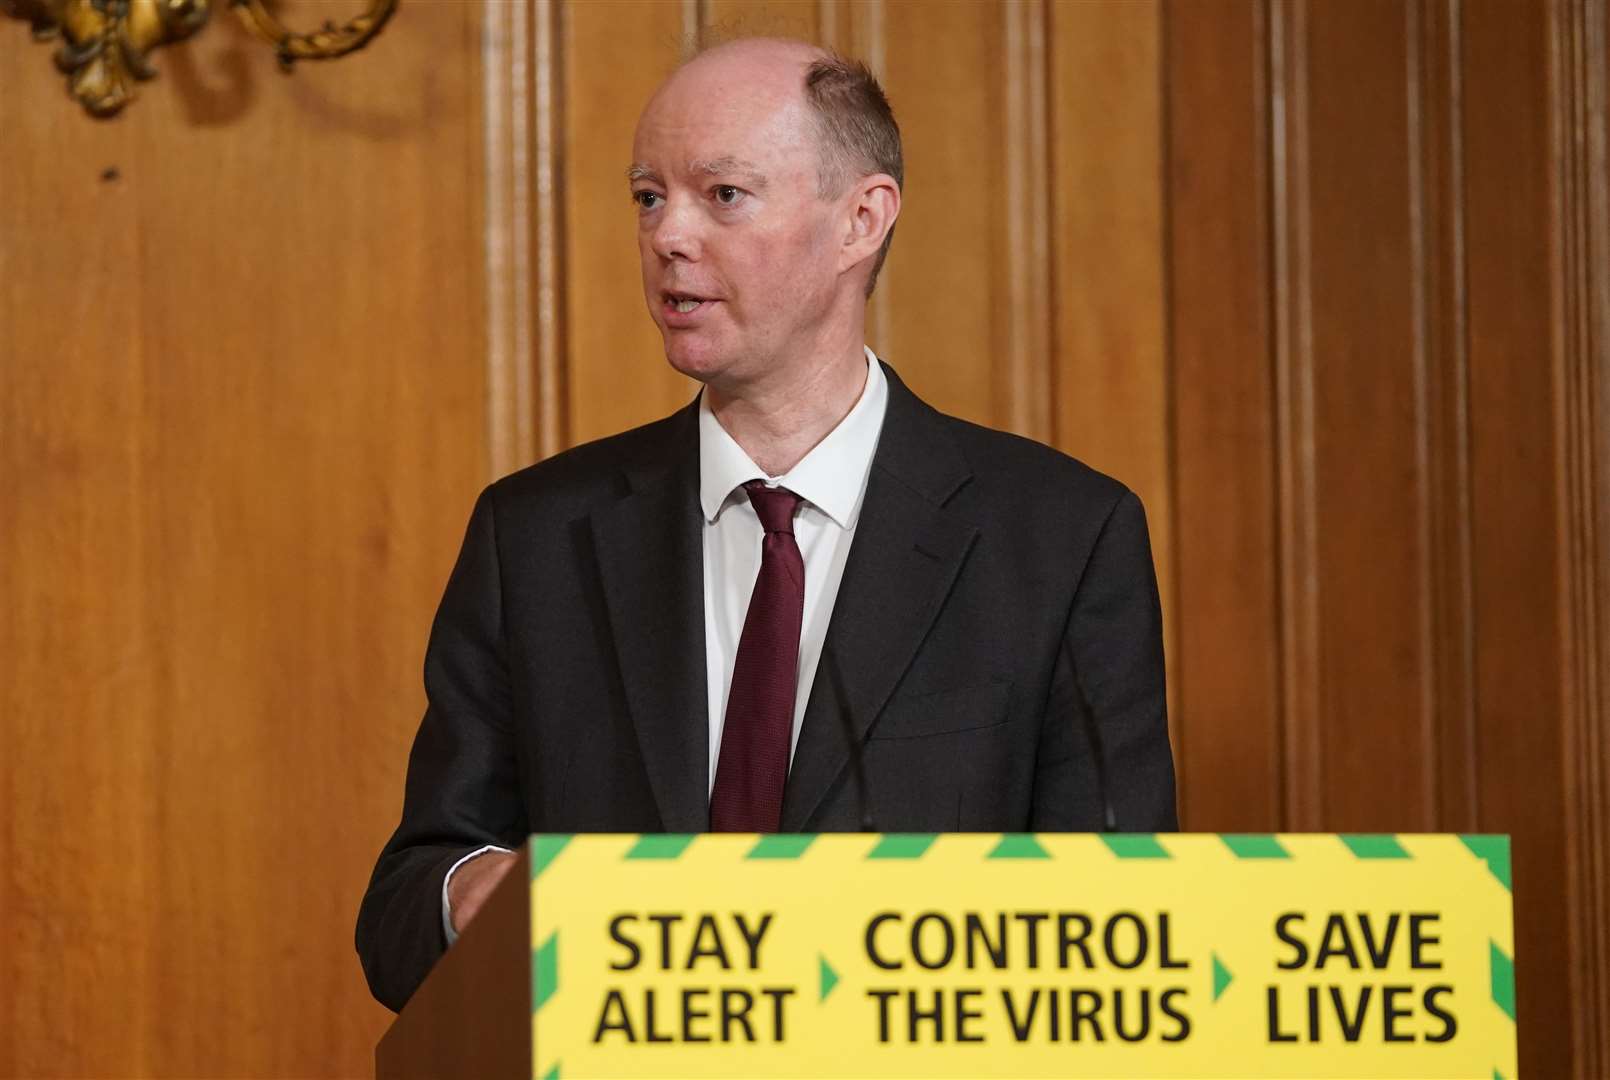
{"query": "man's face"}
(739, 253)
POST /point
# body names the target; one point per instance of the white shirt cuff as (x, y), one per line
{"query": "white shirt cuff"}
(447, 908)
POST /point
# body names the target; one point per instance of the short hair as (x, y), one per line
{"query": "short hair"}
(857, 131)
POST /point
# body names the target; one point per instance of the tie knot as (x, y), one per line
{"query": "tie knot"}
(774, 506)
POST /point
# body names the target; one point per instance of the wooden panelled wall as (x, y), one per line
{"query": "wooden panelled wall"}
(1325, 281)
(1387, 316)
(242, 417)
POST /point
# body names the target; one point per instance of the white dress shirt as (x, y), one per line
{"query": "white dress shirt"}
(831, 480)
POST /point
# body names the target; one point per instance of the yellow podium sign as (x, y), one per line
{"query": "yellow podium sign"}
(972, 955)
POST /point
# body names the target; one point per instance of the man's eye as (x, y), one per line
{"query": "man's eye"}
(648, 200)
(727, 195)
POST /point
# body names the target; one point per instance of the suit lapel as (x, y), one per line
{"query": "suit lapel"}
(650, 559)
(904, 558)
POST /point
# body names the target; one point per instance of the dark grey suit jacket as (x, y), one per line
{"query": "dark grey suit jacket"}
(996, 644)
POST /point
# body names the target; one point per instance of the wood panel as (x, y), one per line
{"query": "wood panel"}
(1355, 345)
(943, 287)
(1297, 558)
(1108, 354)
(618, 377)
(521, 226)
(1516, 492)
(724, 20)
(1221, 348)
(242, 418)
(1434, 290)
(1581, 139)
(1436, 157)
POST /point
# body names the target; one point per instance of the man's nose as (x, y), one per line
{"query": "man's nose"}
(675, 234)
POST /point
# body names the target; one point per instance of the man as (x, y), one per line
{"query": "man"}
(807, 602)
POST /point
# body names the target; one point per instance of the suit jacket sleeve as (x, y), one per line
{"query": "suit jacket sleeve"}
(1106, 727)
(463, 788)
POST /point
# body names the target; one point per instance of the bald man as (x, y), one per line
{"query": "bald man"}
(805, 602)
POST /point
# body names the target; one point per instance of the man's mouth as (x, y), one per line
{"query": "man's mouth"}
(683, 303)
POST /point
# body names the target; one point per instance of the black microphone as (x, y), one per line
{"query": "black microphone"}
(841, 705)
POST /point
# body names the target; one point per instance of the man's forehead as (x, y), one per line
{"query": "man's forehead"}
(747, 85)
(754, 141)
(737, 110)
(725, 165)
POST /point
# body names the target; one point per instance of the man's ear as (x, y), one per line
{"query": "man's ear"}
(873, 204)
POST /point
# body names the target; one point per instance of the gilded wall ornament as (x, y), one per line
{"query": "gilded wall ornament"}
(106, 44)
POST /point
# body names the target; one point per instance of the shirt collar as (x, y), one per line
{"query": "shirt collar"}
(832, 477)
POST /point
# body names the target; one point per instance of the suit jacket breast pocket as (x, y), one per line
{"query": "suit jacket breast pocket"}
(944, 712)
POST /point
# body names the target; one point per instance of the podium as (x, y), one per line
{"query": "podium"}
(471, 1017)
(970, 955)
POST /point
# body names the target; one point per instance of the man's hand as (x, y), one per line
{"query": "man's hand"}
(473, 883)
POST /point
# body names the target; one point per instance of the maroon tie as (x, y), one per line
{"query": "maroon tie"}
(748, 794)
